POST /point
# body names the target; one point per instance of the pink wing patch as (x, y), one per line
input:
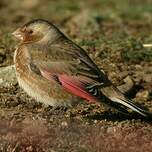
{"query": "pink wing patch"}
(73, 84)
(76, 86)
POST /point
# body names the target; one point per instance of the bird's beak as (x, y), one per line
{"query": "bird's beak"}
(18, 34)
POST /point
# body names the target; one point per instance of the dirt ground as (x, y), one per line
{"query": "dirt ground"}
(112, 32)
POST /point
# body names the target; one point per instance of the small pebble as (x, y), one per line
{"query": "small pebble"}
(64, 124)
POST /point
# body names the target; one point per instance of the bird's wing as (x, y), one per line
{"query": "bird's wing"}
(76, 85)
(90, 90)
(74, 59)
(82, 62)
(71, 68)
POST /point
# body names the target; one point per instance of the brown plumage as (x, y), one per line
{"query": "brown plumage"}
(52, 69)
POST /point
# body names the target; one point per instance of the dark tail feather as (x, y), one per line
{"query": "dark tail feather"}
(122, 105)
(115, 98)
(129, 104)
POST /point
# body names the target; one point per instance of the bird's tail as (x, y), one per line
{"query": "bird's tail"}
(117, 100)
(129, 104)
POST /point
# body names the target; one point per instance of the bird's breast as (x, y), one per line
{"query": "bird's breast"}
(21, 61)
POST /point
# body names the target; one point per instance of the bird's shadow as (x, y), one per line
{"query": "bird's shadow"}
(106, 115)
(118, 117)
(131, 93)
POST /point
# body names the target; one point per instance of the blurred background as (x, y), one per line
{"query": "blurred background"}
(113, 33)
(115, 26)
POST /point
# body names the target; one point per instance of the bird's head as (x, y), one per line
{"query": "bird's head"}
(36, 31)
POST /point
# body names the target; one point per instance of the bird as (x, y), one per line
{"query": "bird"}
(54, 70)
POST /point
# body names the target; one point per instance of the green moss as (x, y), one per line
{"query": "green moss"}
(87, 43)
(135, 52)
(137, 55)
(61, 6)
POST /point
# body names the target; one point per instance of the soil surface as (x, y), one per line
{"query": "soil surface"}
(113, 33)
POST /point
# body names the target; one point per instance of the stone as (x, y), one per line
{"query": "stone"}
(7, 76)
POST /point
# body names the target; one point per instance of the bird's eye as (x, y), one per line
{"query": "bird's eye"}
(30, 31)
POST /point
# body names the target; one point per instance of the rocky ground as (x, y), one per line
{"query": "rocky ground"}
(112, 32)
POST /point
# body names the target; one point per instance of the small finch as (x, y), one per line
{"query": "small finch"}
(53, 69)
